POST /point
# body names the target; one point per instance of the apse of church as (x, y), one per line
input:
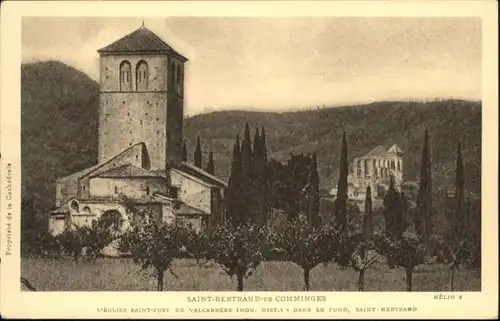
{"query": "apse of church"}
(376, 168)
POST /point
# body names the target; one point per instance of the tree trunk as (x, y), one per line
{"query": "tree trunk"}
(240, 282)
(361, 280)
(452, 278)
(159, 285)
(409, 276)
(306, 279)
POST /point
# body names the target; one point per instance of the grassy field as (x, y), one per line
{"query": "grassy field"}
(110, 274)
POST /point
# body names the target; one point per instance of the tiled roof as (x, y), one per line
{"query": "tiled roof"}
(63, 209)
(394, 149)
(140, 40)
(129, 170)
(383, 151)
(120, 199)
(96, 167)
(81, 173)
(185, 209)
(201, 174)
(378, 151)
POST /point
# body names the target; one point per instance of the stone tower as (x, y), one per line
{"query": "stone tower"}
(141, 98)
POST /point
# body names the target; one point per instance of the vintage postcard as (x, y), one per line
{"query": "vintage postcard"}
(249, 160)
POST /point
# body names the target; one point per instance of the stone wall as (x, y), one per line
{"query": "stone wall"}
(192, 191)
(130, 187)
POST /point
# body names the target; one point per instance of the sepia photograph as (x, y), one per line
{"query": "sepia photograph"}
(119, 147)
(280, 154)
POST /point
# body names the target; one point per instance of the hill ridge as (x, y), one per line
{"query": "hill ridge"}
(60, 118)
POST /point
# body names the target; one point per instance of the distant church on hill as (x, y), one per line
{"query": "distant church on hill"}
(140, 165)
(375, 170)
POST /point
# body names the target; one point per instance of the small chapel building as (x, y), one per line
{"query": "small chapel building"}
(139, 167)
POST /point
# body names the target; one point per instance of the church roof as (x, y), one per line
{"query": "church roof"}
(378, 151)
(141, 40)
(128, 171)
(382, 151)
(63, 209)
(95, 168)
(185, 209)
(394, 149)
(201, 174)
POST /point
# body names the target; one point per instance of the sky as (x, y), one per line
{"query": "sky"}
(282, 64)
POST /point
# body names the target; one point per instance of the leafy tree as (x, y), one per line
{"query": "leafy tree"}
(72, 242)
(90, 240)
(423, 222)
(402, 249)
(407, 252)
(364, 254)
(341, 201)
(47, 246)
(210, 164)
(355, 246)
(156, 245)
(196, 245)
(237, 249)
(305, 245)
(197, 153)
(34, 233)
(97, 237)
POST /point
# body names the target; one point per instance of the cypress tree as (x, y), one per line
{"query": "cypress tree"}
(368, 218)
(184, 152)
(341, 201)
(263, 145)
(234, 185)
(391, 200)
(313, 195)
(423, 223)
(197, 153)
(210, 164)
(401, 223)
(459, 219)
(249, 200)
(258, 180)
(257, 157)
(246, 154)
(264, 176)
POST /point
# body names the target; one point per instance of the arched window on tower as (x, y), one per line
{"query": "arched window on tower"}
(125, 76)
(142, 76)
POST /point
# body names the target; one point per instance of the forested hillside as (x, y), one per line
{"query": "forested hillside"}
(60, 115)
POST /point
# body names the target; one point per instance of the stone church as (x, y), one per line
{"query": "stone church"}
(375, 170)
(140, 173)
